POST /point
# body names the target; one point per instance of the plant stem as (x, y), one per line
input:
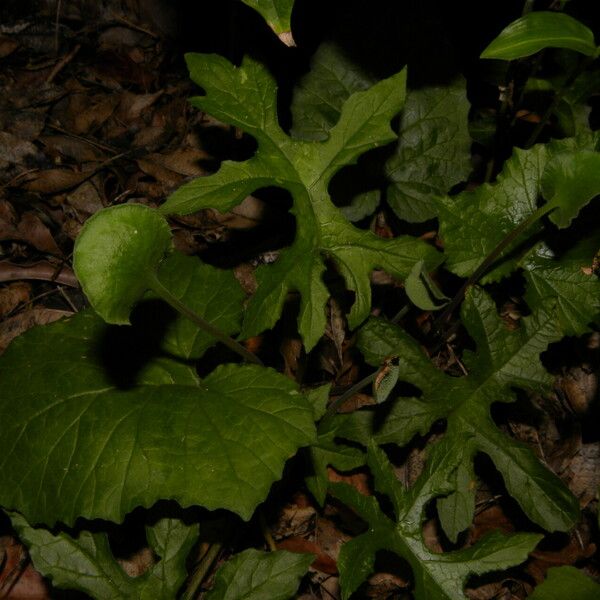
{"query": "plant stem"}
(490, 259)
(158, 288)
(201, 571)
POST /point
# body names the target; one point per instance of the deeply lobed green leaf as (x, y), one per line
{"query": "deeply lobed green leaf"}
(245, 96)
(503, 360)
(436, 576)
(86, 563)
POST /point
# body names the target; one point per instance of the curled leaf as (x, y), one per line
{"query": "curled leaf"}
(116, 254)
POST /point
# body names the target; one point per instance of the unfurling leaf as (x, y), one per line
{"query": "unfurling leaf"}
(117, 252)
(538, 30)
(422, 290)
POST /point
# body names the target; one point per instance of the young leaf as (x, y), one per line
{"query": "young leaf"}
(566, 582)
(86, 563)
(437, 576)
(74, 444)
(277, 13)
(568, 283)
(569, 182)
(503, 360)
(214, 294)
(473, 223)
(422, 290)
(255, 575)
(538, 30)
(245, 96)
(118, 250)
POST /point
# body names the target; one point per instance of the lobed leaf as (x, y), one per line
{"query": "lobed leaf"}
(254, 575)
(538, 30)
(87, 564)
(503, 360)
(245, 96)
(74, 444)
(436, 576)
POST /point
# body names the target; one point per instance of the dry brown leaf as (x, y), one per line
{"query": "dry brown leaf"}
(583, 473)
(74, 148)
(12, 295)
(132, 106)
(43, 271)
(53, 181)
(95, 113)
(323, 562)
(14, 150)
(14, 326)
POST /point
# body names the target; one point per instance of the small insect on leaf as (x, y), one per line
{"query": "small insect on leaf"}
(386, 379)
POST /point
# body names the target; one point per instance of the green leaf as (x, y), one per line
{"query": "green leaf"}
(117, 252)
(504, 360)
(245, 96)
(214, 294)
(433, 152)
(566, 582)
(437, 576)
(255, 575)
(569, 182)
(277, 13)
(422, 290)
(567, 283)
(474, 222)
(538, 30)
(74, 444)
(86, 563)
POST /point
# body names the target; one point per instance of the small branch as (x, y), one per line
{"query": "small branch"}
(157, 287)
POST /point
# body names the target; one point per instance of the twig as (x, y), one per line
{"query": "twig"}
(60, 65)
(43, 271)
(201, 571)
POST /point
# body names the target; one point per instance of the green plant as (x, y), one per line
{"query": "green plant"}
(80, 440)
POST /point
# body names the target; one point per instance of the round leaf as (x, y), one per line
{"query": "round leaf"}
(117, 252)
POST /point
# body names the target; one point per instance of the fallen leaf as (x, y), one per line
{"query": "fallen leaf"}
(12, 295)
(323, 562)
(52, 181)
(18, 578)
(14, 150)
